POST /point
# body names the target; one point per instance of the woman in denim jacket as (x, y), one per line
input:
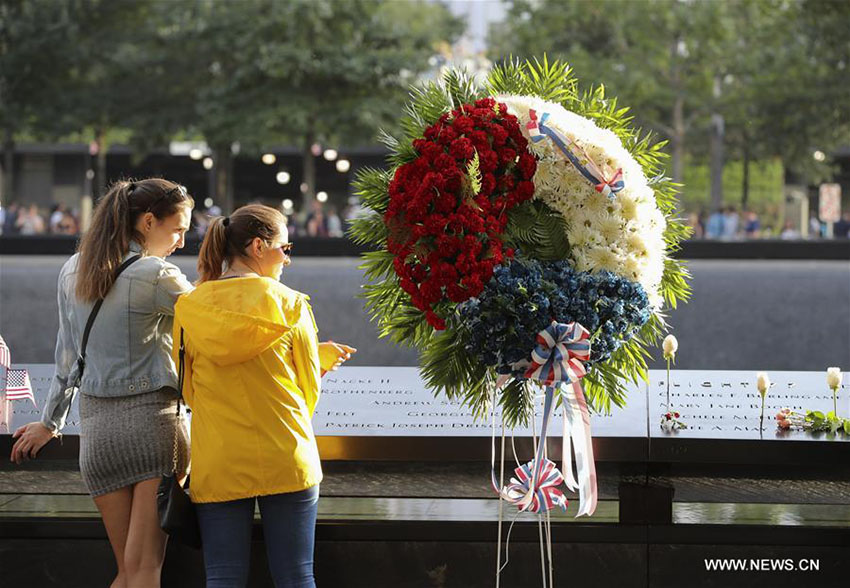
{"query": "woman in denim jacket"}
(128, 388)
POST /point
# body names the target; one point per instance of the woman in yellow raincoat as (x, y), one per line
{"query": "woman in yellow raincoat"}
(253, 365)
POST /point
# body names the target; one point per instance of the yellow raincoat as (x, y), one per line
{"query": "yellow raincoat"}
(252, 380)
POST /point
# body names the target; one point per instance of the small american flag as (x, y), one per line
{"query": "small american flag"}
(5, 355)
(18, 385)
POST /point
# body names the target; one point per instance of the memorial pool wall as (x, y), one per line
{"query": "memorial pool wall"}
(745, 314)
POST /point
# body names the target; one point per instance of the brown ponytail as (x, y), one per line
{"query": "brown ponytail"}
(228, 237)
(212, 256)
(107, 241)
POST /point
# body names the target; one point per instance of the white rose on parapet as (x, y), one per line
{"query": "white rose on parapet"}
(670, 346)
(833, 378)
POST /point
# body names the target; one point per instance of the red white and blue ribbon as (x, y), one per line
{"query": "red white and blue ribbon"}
(561, 349)
(546, 496)
(539, 130)
(557, 362)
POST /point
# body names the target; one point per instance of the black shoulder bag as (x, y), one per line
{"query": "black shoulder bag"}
(177, 515)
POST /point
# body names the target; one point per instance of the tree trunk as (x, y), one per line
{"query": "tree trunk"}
(308, 172)
(100, 173)
(745, 183)
(87, 202)
(716, 150)
(677, 140)
(7, 195)
(223, 183)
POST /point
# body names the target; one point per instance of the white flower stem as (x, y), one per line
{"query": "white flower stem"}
(668, 383)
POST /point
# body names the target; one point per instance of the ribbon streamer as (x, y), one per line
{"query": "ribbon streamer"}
(558, 363)
(577, 437)
(539, 130)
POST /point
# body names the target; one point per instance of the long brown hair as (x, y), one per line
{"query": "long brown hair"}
(107, 241)
(228, 237)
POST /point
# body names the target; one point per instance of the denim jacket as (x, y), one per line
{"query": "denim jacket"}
(129, 348)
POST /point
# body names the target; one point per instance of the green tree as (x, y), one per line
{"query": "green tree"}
(336, 72)
(791, 82)
(34, 39)
(257, 72)
(757, 79)
(113, 76)
(655, 56)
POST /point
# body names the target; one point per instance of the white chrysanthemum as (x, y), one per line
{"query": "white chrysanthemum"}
(603, 258)
(628, 206)
(636, 245)
(623, 235)
(583, 237)
(610, 227)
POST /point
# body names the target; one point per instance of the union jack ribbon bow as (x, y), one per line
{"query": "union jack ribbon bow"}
(539, 130)
(546, 494)
(559, 355)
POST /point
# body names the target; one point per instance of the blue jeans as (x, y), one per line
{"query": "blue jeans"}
(289, 527)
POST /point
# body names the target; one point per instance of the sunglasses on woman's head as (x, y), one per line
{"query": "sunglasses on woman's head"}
(287, 249)
(178, 188)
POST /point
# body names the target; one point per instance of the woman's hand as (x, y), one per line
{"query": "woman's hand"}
(332, 355)
(30, 439)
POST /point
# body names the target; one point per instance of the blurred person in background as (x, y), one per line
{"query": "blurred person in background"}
(789, 233)
(731, 222)
(57, 213)
(714, 226)
(353, 209)
(815, 227)
(316, 224)
(200, 222)
(752, 226)
(30, 221)
(696, 226)
(67, 224)
(841, 229)
(10, 219)
(334, 223)
(292, 225)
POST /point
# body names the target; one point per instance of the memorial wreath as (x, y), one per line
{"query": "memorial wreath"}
(522, 242)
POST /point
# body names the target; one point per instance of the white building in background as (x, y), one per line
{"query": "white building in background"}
(470, 51)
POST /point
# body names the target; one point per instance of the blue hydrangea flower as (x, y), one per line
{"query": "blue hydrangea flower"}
(523, 297)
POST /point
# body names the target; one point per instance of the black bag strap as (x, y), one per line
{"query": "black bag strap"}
(82, 358)
(181, 368)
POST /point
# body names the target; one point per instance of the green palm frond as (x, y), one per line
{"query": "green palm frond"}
(371, 185)
(430, 102)
(551, 81)
(377, 265)
(460, 87)
(538, 231)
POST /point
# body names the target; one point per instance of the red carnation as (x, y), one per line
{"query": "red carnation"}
(489, 161)
(462, 148)
(463, 125)
(507, 156)
(446, 135)
(527, 165)
(447, 241)
(499, 134)
(525, 190)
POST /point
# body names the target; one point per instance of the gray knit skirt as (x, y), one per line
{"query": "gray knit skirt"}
(129, 439)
